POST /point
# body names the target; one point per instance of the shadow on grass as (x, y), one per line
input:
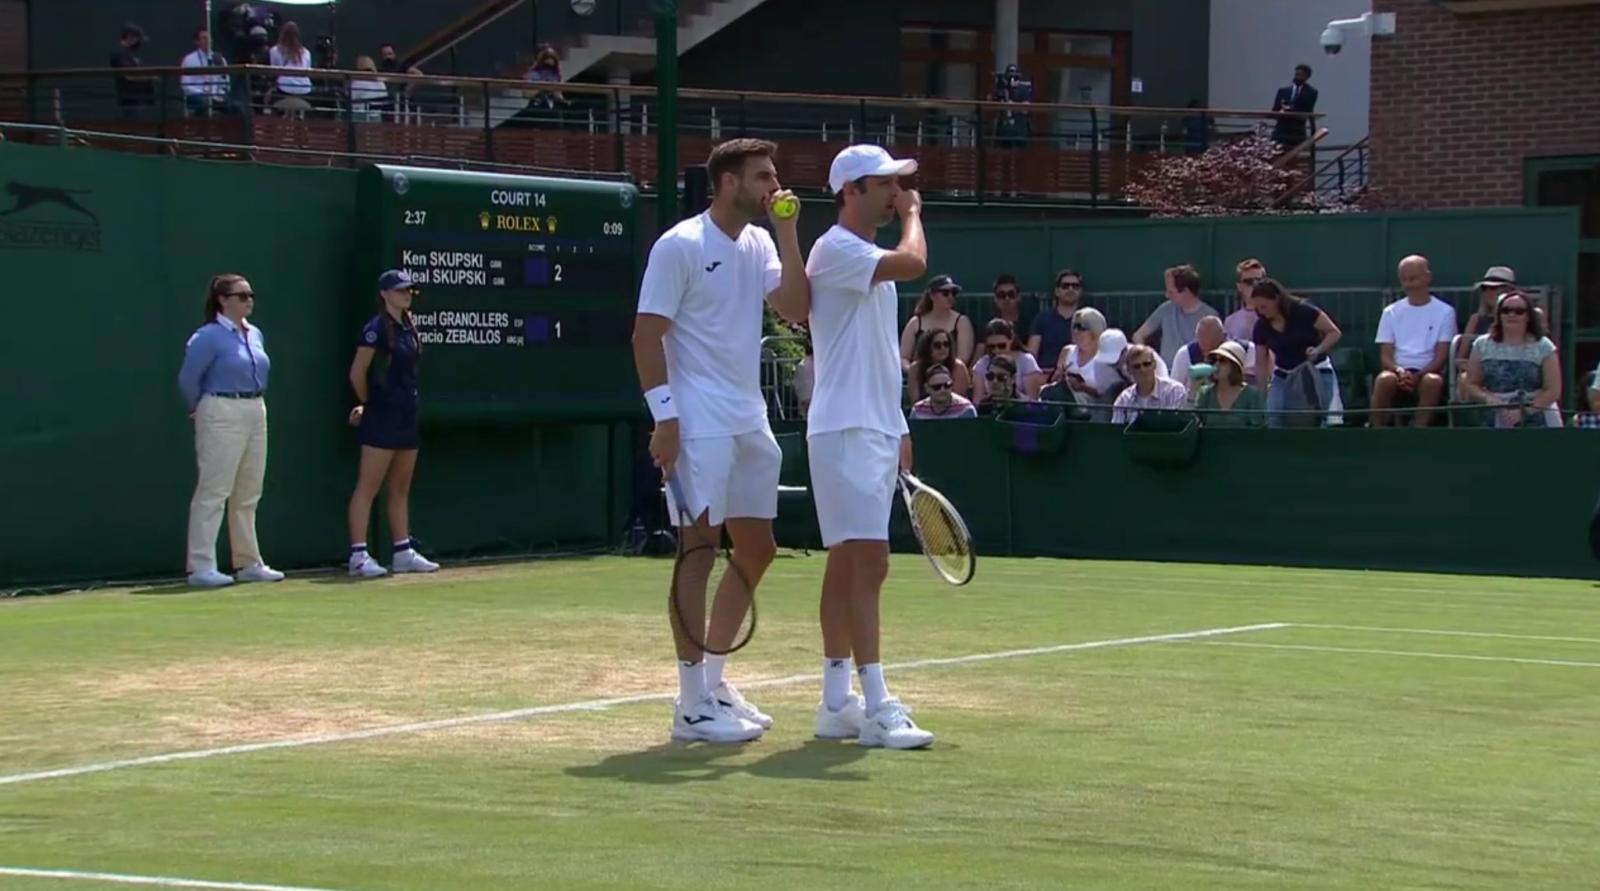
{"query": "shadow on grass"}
(676, 763)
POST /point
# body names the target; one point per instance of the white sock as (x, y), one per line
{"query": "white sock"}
(691, 683)
(835, 683)
(873, 689)
(714, 665)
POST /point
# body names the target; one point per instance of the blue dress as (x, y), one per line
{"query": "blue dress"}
(390, 418)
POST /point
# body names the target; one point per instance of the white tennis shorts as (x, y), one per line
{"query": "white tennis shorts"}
(853, 473)
(731, 476)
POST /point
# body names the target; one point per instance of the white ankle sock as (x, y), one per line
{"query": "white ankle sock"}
(835, 683)
(714, 671)
(691, 683)
(873, 689)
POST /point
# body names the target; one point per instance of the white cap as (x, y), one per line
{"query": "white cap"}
(857, 161)
(1113, 343)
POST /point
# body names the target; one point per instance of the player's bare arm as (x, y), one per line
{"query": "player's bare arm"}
(909, 259)
(792, 299)
(650, 358)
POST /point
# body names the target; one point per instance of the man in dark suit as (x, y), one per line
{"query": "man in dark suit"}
(1299, 97)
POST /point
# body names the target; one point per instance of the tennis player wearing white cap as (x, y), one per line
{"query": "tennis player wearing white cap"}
(858, 438)
(699, 330)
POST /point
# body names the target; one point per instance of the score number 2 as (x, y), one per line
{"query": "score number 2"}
(416, 218)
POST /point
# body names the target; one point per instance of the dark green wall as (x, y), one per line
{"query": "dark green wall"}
(97, 453)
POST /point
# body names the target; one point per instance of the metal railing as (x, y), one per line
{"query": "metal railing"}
(977, 150)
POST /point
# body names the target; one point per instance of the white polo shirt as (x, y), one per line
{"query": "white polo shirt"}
(855, 338)
(1415, 331)
(713, 287)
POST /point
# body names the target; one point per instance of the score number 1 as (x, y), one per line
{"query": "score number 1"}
(416, 218)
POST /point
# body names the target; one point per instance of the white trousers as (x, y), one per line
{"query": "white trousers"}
(230, 443)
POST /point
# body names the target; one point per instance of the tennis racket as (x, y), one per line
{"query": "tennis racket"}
(723, 568)
(940, 530)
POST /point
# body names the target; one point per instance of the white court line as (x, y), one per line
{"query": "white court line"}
(592, 705)
(1462, 656)
(158, 881)
(1588, 640)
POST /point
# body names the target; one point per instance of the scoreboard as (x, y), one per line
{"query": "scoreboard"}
(527, 289)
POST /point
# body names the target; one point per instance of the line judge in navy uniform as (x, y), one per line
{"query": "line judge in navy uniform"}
(384, 375)
(223, 380)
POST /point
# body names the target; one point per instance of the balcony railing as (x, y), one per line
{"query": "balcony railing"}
(983, 151)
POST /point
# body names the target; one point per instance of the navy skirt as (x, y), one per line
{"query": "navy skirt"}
(389, 425)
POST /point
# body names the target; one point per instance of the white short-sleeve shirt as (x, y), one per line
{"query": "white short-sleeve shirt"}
(712, 287)
(855, 338)
(1416, 330)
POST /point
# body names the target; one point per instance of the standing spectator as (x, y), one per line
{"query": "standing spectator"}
(1228, 400)
(1150, 389)
(388, 59)
(1176, 319)
(942, 401)
(1289, 333)
(1414, 337)
(223, 379)
(934, 348)
(134, 92)
(1000, 341)
(1208, 335)
(203, 94)
(1497, 280)
(291, 52)
(369, 96)
(545, 105)
(1196, 129)
(386, 418)
(1007, 307)
(936, 311)
(1299, 98)
(1051, 331)
(1514, 367)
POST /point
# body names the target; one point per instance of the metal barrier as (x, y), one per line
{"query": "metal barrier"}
(783, 376)
(974, 149)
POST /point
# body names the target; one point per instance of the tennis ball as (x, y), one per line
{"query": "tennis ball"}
(786, 207)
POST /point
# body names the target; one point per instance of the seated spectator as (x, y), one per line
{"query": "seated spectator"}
(942, 401)
(1414, 337)
(1496, 280)
(1590, 420)
(369, 96)
(935, 348)
(1007, 307)
(1514, 367)
(1208, 335)
(936, 311)
(1175, 320)
(1000, 341)
(1052, 328)
(291, 52)
(203, 94)
(1240, 324)
(998, 384)
(1289, 333)
(1228, 400)
(805, 379)
(1092, 367)
(1150, 389)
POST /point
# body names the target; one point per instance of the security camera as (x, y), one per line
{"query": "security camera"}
(1332, 41)
(1370, 23)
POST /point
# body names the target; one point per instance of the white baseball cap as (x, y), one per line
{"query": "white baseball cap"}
(857, 161)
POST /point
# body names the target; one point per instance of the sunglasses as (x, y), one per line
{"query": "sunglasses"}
(1141, 365)
(949, 292)
(1079, 326)
(994, 347)
(941, 344)
(1070, 286)
(1513, 310)
(1005, 295)
(996, 376)
(242, 295)
(1252, 280)
(939, 388)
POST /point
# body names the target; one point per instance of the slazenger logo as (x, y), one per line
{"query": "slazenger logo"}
(48, 217)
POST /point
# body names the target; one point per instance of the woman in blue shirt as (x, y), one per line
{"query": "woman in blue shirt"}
(223, 379)
(1291, 332)
(384, 376)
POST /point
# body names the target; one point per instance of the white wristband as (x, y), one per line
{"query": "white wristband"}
(662, 408)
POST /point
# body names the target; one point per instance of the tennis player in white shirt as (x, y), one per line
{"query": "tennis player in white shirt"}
(858, 438)
(697, 345)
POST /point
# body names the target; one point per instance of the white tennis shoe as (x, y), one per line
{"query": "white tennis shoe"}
(891, 727)
(728, 696)
(842, 723)
(362, 566)
(409, 560)
(710, 721)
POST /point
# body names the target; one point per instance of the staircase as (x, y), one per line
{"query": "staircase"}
(474, 21)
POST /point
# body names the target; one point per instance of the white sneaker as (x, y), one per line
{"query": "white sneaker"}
(409, 560)
(259, 572)
(729, 697)
(209, 578)
(364, 567)
(842, 723)
(892, 728)
(710, 721)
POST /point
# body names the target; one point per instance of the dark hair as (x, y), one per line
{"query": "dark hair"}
(1000, 326)
(1185, 278)
(859, 182)
(1066, 272)
(1303, 67)
(729, 157)
(289, 38)
(925, 302)
(924, 348)
(1535, 318)
(385, 44)
(221, 285)
(387, 321)
(931, 370)
(1272, 290)
(1004, 363)
(543, 50)
(201, 30)
(132, 30)
(1004, 278)
(1236, 376)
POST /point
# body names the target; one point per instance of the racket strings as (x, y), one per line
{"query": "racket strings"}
(940, 534)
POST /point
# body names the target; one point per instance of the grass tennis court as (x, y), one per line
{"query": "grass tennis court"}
(1444, 735)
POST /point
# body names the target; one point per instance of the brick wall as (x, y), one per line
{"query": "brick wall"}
(1458, 101)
